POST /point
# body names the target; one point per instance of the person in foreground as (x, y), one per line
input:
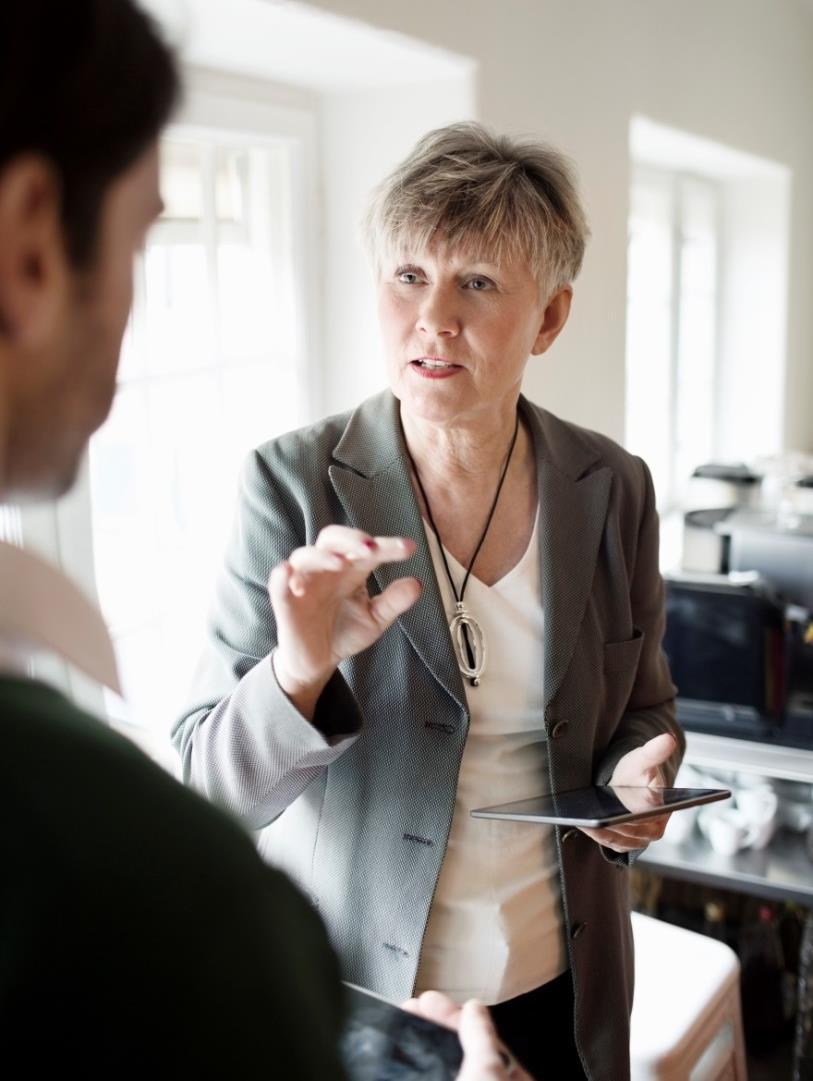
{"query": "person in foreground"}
(139, 931)
(526, 652)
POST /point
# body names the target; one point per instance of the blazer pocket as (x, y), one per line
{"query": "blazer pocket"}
(622, 656)
(620, 668)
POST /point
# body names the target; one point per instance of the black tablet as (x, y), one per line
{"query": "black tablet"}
(602, 805)
(382, 1042)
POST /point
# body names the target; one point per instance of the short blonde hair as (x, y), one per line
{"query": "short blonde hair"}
(492, 195)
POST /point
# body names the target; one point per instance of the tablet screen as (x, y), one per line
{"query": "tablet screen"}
(602, 805)
(384, 1043)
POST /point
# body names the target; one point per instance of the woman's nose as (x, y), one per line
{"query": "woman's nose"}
(438, 315)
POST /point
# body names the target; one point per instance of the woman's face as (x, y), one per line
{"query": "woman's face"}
(458, 331)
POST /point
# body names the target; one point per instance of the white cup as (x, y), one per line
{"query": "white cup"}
(758, 806)
(726, 829)
(681, 826)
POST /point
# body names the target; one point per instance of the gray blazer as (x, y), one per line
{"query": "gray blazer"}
(357, 807)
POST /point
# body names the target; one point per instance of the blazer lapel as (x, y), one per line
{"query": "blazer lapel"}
(572, 519)
(371, 479)
(573, 509)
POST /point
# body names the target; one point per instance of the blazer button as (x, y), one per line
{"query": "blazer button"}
(577, 929)
(568, 834)
(558, 729)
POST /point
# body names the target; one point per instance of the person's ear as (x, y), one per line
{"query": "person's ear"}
(556, 312)
(34, 271)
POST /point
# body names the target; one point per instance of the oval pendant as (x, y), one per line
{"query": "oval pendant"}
(461, 622)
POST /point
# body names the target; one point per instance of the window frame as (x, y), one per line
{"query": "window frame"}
(672, 502)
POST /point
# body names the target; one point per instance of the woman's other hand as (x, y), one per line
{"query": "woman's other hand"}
(641, 769)
(485, 1058)
(324, 612)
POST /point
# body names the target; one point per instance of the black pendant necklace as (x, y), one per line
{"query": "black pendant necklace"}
(468, 637)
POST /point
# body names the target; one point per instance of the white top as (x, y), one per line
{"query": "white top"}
(495, 928)
(42, 611)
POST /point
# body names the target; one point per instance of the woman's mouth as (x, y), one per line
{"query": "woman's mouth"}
(434, 368)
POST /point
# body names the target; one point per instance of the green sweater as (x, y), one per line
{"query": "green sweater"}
(139, 930)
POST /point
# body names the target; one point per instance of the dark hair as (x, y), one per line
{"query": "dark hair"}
(88, 84)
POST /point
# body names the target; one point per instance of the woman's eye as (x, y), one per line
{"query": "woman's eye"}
(408, 275)
(480, 284)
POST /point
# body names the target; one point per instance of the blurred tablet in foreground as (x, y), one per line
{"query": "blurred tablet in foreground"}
(602, 805)
(382, 1042)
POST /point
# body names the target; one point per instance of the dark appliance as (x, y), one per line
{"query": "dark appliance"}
(741, 658)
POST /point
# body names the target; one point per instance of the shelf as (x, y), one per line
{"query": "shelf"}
(782, 871)
(744, 756)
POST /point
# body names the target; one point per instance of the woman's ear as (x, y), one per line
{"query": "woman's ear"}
(555, 317)
(33, 266)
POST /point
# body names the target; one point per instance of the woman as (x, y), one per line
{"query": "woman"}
(357, 716)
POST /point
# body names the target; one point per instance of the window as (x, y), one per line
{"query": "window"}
(672, 331)
(10, 524)
(707, 294)
(211, 366)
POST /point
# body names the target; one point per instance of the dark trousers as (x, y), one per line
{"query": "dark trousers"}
(538, 1029)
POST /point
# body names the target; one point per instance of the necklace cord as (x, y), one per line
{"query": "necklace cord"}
(491, 512)
(503, 474)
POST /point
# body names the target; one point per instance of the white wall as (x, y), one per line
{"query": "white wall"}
(575, 72)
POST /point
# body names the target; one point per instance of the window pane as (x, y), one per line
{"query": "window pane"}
(162, 501)
(181, 181)
(255, 285)
(249, 312)
(649, 327)
(209, 373)
(694, 441)
(10, 525)
(133, 360)
(259, 402)
(230, 184)
(121, 499)
(671, 326)
(180, 326)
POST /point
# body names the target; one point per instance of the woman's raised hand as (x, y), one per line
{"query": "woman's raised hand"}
(323, 610)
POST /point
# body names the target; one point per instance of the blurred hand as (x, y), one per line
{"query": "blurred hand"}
(639, 769)
(484, 1057)
(323, 610)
